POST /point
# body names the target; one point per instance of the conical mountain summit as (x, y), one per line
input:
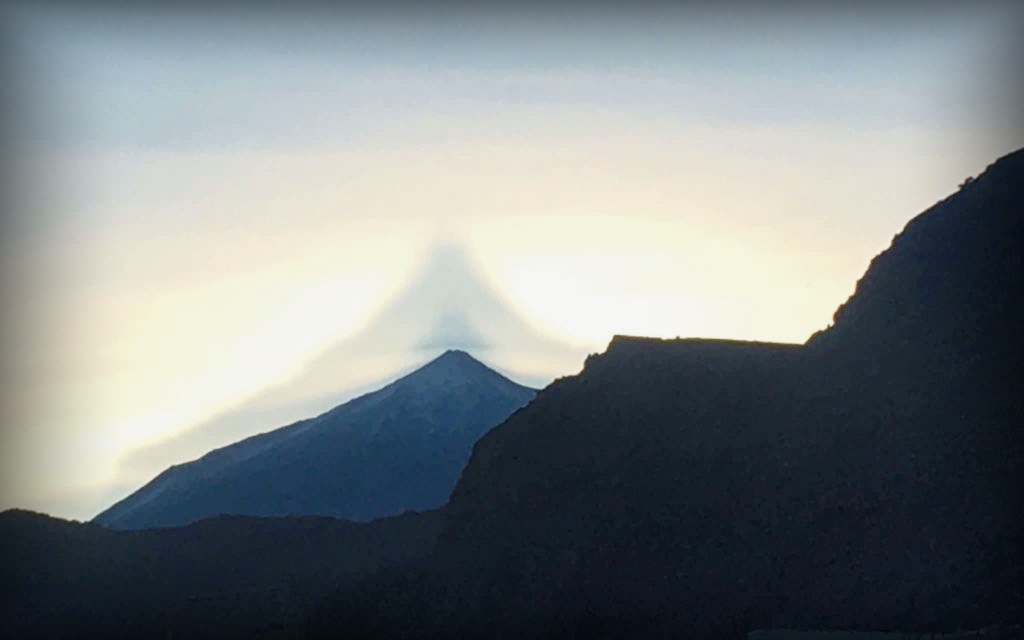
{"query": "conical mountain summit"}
(397, 449)
(447, 305)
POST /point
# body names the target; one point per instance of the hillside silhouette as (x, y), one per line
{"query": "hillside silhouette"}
(223, 577)
(869, 479)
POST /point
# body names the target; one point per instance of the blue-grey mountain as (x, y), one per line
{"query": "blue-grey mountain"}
(398, 449)
(447, 304)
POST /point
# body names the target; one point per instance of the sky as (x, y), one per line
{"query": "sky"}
(212, 215)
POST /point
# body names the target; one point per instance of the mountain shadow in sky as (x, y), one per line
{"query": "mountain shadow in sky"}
(447, 305)
(397, 449)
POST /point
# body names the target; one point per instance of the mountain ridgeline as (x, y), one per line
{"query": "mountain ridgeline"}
(400, 448)
(869, 479)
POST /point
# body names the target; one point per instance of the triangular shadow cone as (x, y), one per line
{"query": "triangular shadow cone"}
(446, 305)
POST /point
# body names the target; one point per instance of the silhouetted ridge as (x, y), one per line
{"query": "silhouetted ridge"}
(630, 346)
(224, 577)
(945, 274)
(702, 488)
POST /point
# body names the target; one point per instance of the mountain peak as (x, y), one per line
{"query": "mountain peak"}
(420, 429)
(453, 363)
(455, 369)
(457, 354)
(454, 357)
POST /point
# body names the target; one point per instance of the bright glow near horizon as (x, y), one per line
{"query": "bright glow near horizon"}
(206, 204)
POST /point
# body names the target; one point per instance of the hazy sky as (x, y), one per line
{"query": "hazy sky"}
(203, 203)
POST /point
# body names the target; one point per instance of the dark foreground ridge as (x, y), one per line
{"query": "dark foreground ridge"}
(397, 449)
(223, 577)
(868, 480)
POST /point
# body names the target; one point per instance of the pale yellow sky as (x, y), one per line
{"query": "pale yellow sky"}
(164, 279)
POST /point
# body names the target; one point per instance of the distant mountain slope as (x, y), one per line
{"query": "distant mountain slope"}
(399, 448)
(870, 479)
(448, 304)
(226, 577)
